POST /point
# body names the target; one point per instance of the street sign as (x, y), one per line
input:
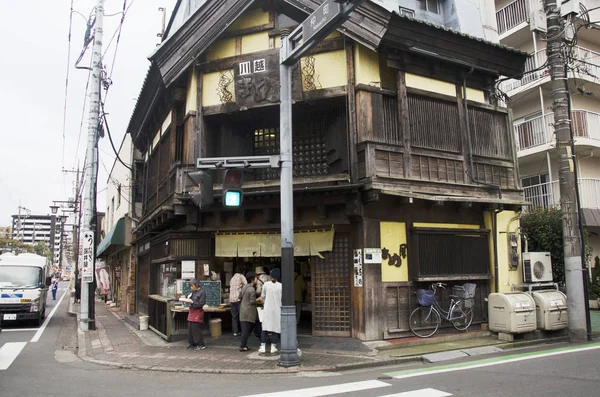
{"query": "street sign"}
(87, 268)
(320, 19)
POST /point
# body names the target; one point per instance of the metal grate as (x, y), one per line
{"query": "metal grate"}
(331, 291)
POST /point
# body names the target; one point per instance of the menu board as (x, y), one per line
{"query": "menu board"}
(213, 292)
(212, 289)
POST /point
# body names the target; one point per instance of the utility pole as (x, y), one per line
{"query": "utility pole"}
(87, 318)
(325, 19)
(566, 166)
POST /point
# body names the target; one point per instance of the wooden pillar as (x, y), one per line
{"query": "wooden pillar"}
(403, 119)
(196, 144)
(351, 112)
(374, 308)
(463, 133)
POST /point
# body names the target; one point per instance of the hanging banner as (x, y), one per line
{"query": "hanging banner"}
(87, 268)
(358, 268)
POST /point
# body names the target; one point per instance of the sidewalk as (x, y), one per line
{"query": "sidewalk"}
(117, 343)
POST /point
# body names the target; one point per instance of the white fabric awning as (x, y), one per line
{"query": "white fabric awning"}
(306, 243)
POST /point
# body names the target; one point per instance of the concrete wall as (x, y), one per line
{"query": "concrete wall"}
(119, 176)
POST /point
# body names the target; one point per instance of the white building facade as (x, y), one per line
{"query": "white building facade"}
(522, 24)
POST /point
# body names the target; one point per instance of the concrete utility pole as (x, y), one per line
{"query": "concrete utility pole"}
(87, 318)
(325, 19)
(566, 166)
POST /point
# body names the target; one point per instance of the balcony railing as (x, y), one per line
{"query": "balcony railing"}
(547, 195)
(534, 61)
(512, 15)
(530, 133)
(583, 62)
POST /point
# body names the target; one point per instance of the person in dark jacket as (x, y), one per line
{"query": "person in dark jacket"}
(196, 300)
(248, 313)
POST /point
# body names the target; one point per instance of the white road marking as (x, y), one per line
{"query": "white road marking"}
(489, 362)
(326, 390)
(421, 393)
(40, 331)
(19, 329)
(9, 352)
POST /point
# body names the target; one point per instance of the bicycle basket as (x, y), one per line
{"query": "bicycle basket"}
(425, 297)
(465, 292)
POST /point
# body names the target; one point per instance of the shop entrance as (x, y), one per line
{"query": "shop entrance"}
(330, 281)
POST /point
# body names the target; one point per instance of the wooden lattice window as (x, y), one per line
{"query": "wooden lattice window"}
(331, 291)
(266, 143)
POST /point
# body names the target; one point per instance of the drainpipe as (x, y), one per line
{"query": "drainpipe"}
(470, 147)
(495, 242)
(586, 275)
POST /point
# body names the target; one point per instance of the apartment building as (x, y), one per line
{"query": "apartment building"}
(31, 229)
(522, 25)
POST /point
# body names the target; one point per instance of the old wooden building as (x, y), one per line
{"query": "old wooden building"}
(398, 145)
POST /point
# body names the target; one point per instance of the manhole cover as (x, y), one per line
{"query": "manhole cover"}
(384, 378)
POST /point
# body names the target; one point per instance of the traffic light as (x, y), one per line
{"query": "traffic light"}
(232, 188)
(204, 196)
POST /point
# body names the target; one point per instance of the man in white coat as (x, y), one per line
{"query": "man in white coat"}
(271, 321)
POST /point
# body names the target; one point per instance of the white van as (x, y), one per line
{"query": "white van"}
(24, 281)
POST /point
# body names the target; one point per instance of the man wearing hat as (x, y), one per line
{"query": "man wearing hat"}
(262, 278)
(196, 300)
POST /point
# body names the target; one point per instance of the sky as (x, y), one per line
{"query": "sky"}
(37, 142)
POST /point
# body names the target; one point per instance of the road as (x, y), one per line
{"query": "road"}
(43, 361)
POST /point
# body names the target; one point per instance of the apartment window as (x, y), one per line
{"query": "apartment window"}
(429, 6)
(407, 12)
(118, 195)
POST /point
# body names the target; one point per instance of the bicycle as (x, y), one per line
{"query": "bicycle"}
(425, 320)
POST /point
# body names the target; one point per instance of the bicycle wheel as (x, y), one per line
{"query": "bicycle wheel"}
(424, 321)
(464, 321)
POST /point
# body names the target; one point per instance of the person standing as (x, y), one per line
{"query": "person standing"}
(248, 313)
(299, 287)
(271, 324)
(236, 284)
(54, 289)
(196, 300)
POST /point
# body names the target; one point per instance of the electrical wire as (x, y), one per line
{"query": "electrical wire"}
(110, 137)
(64, 126)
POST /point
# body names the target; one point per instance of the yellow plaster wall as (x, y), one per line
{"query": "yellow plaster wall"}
(366, 66)
(210, 83)
(427, 84)
(166, 123)
(392, 235)
(507, 221)
(250, 18)
(330, 69)
(222, 48)
(191, 101)
(255, 42)
(475, 95)
(446, 225)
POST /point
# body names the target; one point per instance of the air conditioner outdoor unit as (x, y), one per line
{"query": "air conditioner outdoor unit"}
(537, 267)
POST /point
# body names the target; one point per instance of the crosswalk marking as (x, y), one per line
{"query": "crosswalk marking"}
(327, 390)
(9, 352)
(420, 393)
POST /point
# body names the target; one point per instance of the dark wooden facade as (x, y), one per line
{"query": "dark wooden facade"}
(362, 155)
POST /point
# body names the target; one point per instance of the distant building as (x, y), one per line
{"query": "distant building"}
(5, 232)
(31, 229)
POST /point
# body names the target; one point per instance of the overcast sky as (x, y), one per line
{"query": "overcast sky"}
(34, 147)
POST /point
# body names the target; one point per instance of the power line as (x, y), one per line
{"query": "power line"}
(64, 126)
